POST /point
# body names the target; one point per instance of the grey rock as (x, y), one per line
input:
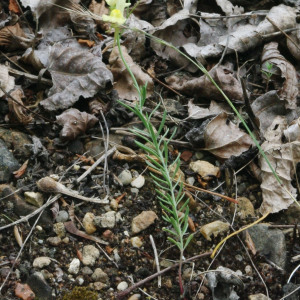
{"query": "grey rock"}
(125, 177)
(123, 285)
(222, 284)
(59, 229)
(54, 241)
(89, 255)
(41, 262)
(74, 266)
(33, 198)
(99, 275)
(39, 286)
(270, 243)
(8, 163)
(107, 220)
(62, 216)
(245, 208)
(289, 288)
(86, 271)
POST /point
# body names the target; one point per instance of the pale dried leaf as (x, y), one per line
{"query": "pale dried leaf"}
(124, 84)
(203, 87)
(292, 133)
(18, 236)
(17, 112)
(197, 112)
(224, 139)
(267, 107)
(7, 82)
(294, 43)
(283, 158)
(74, 123)
(173, 31)
(75, 73)
(288, 90)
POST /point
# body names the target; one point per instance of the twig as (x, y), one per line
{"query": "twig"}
(156, 259)
(288, 37)
(142, 282)
(97, 162)
(30, 76)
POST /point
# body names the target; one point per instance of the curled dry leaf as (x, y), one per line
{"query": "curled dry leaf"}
(202, 86)
(224, 139)
(19, 173)
(283, 158)
(75, 72)
(74, 123)
(267, 107)
(124, 84)
(13, 37)
(17, 112)
(7, 82)
(288, 90)
(294, 43)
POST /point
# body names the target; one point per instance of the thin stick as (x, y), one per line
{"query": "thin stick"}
(97, 162)
(156, 259)
(278, 28)
(140, 283)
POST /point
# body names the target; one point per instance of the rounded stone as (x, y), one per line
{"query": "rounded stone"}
(136, 242)
(88, 223)
(122, 286)
(138, 182)
(99, 275)
(41, 262)
(74, 266)
(62, 216)
(125, 177)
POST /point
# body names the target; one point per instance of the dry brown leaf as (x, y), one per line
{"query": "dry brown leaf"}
(19, 173)
(71, 227)
(203, 87)
(14, 7)
(124, 84)
(17, 112)
(75, 72)
(249, 242)
(223, 138)
(177, 30)
(197, 112)
(18, 236)
(13, 37)
(283, 158)
(288, 90)
(267, 107)
(74, 123)
(294, 43)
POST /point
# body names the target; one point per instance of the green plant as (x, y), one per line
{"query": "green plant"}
(268, 72)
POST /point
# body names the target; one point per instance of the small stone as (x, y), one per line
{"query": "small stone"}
(66, 240)
(74, 266)
(248, 270)
(135, 297)
(134, 191)
(136, 242)
(99, 275)
(108, 234)
(190, 180)
(125, 177)
(258, 297)
(88, 223)
(80, 280)
(138, 182)
(244, 208)
(54, 241)
(39, 228)
(107, 220)
(199, 155)
(89, 255)
(214, 228)
(33, 198)
(86, 271)
(98, 286)
(62, 216)
(205, 169)
(41, 262)
(40, 287)
(168, 283)
(122, 286)
(143, 221)
(114, 204)
(59, 229)
(179, 174)
(24, 292)
(166, 263)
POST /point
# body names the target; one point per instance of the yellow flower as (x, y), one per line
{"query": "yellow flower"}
(116, 17)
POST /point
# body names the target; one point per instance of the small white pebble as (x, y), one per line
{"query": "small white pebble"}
(76, 167)
(138, 182)
(122, 286)
(39, 228)
(136, 242)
